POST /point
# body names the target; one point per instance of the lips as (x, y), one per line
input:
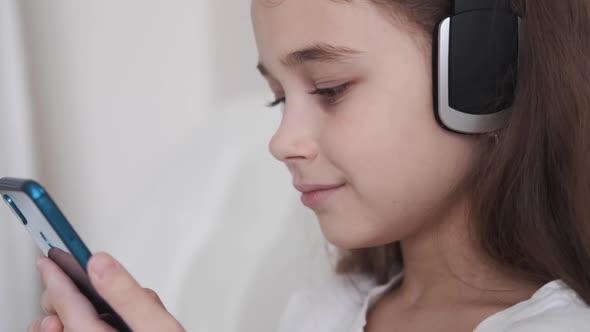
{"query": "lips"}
(307, 188)
(317, 194)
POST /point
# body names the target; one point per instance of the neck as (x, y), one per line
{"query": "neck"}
(442, 265)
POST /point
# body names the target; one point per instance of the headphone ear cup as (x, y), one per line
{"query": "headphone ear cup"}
(435, 70)
(474, 70)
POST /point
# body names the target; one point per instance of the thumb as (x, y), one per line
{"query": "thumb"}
(119, 289)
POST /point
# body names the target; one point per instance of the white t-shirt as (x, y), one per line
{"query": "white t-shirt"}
(340, 305)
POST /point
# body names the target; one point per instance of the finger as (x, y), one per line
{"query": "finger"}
(46, 304)
(74, 310)
(127, 297)
(52, 324)
(155, 296)
(35, 325)
(46, 324)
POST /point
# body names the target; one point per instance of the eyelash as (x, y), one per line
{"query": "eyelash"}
(276, 102)
(331, 94)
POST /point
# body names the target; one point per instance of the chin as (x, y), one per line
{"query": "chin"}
(346, 233)
(351, 238)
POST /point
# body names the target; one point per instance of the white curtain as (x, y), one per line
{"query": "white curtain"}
(19, 287)
(145, 122)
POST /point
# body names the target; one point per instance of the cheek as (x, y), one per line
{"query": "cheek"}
(400, 165)
(408, 180)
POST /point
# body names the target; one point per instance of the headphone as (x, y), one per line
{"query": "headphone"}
(475, 61)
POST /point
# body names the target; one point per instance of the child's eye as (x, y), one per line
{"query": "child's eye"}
(331, 94)
(276, 102)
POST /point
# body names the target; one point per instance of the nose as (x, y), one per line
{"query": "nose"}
(294, 140)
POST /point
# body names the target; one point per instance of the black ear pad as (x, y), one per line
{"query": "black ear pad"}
(475, 70)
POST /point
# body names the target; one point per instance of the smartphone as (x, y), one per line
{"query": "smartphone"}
(56, 238)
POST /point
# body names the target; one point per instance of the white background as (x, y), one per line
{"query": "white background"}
(145, 122)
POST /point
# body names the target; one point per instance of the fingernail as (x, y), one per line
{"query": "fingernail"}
(45, 324)
(102, 266)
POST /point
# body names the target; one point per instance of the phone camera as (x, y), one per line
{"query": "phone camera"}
(15, 209)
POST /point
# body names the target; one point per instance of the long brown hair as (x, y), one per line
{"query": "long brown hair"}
(530, 190)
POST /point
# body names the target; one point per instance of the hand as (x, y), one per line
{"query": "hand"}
(68, 310)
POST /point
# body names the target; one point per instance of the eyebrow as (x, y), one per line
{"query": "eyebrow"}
(319, 52)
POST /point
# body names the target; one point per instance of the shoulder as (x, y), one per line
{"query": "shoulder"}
(328, 305)
(567, 318)
(555, 307)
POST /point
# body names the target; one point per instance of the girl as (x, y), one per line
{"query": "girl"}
(442, 225)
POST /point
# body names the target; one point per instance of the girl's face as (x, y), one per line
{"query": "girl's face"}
(358, 111)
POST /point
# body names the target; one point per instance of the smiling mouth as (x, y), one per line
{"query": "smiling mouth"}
(316, 197)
